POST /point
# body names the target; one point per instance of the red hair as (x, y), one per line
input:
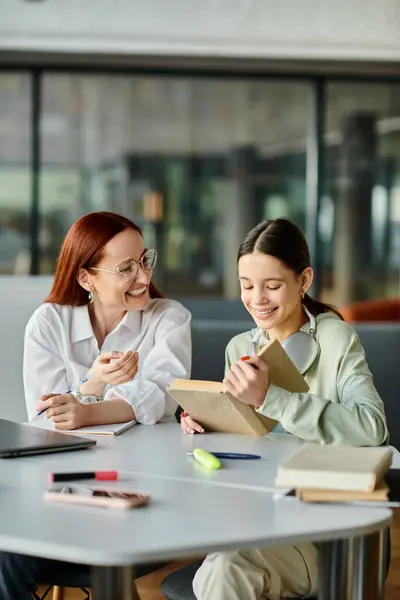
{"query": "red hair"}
(83, 248)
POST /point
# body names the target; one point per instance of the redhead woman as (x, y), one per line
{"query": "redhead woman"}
(105, 332)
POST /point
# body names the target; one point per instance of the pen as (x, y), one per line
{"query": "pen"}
(44, 410)
(97, 475)
(232, 455)
(84, 380)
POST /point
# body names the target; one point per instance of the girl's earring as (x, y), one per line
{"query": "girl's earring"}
(302, 295)
(91, 297)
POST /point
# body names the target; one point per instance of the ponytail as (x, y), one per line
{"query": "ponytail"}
(317, 308)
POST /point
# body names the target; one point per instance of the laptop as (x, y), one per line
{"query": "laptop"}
(18, 439)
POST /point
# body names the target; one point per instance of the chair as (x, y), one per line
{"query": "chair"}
(381, 309)
(178, 585)
(19, 297)
(59, 575)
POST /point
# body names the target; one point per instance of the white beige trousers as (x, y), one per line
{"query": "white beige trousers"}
(272, 573)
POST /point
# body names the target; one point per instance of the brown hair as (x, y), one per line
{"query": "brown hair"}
(83, 248)
(283, 239)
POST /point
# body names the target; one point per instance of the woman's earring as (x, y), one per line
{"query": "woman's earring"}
(302, 295)
(91, 297)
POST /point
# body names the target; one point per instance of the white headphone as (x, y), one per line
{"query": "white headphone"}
(301, 347)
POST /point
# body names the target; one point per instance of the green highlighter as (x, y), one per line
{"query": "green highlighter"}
(206, 459)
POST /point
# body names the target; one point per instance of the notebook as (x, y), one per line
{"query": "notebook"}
(217, 410)
(335, 468)
(111, 429)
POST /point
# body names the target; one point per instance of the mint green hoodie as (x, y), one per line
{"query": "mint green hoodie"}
(342, 405)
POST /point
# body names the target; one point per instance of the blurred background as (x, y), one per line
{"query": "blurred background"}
(198, 120)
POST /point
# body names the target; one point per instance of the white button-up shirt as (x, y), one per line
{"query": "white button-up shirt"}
(60, 348)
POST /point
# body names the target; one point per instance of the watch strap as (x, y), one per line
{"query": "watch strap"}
(86, 398)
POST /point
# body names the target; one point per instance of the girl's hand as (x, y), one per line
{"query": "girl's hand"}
(114, 368)
(189, 425)
(248, 381)
(64, 410)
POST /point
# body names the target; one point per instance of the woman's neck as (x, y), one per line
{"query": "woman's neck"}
(293, 323)
(104, 321)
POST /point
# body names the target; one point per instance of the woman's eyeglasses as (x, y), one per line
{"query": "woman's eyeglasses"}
(128, 269)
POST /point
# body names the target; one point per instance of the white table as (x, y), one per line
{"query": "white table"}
(192, 511)
(161, 451)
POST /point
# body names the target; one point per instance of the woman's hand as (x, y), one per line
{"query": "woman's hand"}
(64, 410)
(114, 368)
(248, 381)
(189, 425)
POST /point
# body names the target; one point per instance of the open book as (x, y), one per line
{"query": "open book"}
(111, 429)
(217, 410)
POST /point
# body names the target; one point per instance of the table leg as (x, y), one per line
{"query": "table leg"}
(114, 583)
(342, 570)
(383, 559)
(355, 584)
(332, 569)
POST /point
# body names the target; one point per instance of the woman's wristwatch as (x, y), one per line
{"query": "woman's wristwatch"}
(87, 398)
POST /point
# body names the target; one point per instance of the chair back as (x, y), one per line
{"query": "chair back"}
(19, 297)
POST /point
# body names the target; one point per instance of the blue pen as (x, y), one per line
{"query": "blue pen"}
(44, 410)
(232, 455)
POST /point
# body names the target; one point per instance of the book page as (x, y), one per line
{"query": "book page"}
(196, 385)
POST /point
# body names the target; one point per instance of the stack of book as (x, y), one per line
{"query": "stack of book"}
(337, 473)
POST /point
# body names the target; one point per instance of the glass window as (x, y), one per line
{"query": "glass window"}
(195, 161)
(359, 224)
(15, 172)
